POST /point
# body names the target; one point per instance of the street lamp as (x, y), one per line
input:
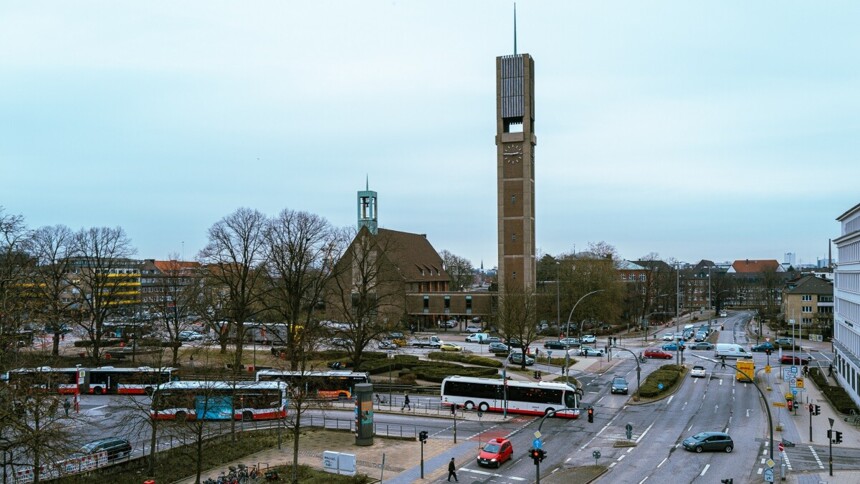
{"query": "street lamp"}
(567, 331)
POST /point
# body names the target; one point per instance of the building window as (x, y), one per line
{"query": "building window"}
(514, 237)
(468, 303)
(426, 303)
(447, 303)
(513, 199)
(806, 297)
(806, 309)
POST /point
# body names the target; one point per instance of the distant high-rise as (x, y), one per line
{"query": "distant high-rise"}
(789, 258)
(515, 168)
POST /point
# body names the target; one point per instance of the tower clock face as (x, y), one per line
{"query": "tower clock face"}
(513, 153)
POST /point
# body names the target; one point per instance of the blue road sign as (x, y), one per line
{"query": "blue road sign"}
(536, 444)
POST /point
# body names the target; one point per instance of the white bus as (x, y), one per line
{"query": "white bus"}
(219, 400)
(530, 398)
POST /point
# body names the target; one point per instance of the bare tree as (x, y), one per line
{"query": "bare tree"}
(367, 292)
(179, 287)
(302, 248)
(15, 266)
(51, 246)
(101, 285)
(459, 269)
(517, 312)
(34, 431)
(234, 261)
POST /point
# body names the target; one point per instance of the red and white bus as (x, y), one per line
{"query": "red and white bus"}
(126, 381)
(493, 395)
(219, 400)
(60, 380)
(328, 385)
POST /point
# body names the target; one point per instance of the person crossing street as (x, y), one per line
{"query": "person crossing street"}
(452, 470)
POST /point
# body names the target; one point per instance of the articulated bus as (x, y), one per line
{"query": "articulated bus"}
(492, 395)
(60, 380)
(219, 400)
(127, 381)
(329, 385)
(104, 380)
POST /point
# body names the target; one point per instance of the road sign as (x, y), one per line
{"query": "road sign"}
(596, 454)
(799, 382)
(770, 463)
(793, 370)
(536, 444)
(537, 434)
(779, 404)
(549, 353)
(767, 369)
(794, 392)
(768, 475)
(781, 447)
(792, 383)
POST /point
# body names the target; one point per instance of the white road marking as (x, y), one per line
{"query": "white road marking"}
(568, 460)
(621, 458)
(645, 432)
(662, 462)
(748, 413)
(643, 480)
(601, 398)
(705, 470)
(815, 454)
(785, 459)
(760, 469)
(721, 382)
(670, 400)
(690, 427)
(485, 473)
(612, 465)
(630, 449)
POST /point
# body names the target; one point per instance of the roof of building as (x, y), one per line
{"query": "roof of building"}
(755, 266)
(413, 254)
(809, 285)
(175, 265)
(626, 265)
(654, 265)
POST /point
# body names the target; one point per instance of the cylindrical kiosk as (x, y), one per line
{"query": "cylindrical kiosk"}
(363, 394)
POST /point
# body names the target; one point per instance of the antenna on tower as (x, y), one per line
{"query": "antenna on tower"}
(515, 28)
(366, 182)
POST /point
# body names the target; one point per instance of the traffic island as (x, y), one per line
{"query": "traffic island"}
(575, 475)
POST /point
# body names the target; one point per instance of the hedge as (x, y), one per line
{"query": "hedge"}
(835, 394)
(103, 343)
(465, 358)
(668, 375)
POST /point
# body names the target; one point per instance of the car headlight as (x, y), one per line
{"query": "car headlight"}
(493, 459)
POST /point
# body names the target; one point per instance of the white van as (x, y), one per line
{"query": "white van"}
(730, 350)
(477, 338)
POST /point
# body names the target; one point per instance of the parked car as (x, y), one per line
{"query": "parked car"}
(767, 345)
(698, 371)
(555, 345)
(669, 337)
(671, 347)
(473, 329)
(657, 353)
(702, 346)
(495, 452)
(723, 314)
(450, 347)
(190, 336)
(115, 447)
(782, 342)
(498, 348)
(480, 338)
(517, 359)
(494, 339)
(514, 343)
(395, 335)
(589, 351)
(709, 441)
(619, 385)
(589, 338)
(387, 345)
(793, 360)
(451, 323)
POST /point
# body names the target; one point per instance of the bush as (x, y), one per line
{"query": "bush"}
(465, 358)
(835, 394)
(668, 375)
(436, 374)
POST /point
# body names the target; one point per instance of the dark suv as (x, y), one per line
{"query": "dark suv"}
(115, 447)
(619, 385)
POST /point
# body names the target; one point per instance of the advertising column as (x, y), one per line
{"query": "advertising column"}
(363, 393)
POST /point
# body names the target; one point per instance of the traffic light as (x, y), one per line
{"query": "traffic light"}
(535, 375)
(816, 410)
(535, 453)
(454, 409)
(837, 439)
(422, 436)
(767, 352)
(542, 454)
(790, 405)
(590, 415)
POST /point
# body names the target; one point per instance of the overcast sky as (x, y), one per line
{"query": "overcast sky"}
(694, 130)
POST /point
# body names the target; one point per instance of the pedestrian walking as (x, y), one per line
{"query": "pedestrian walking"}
(830, 370)
(67, 405)
(406, 402)
(452, 470)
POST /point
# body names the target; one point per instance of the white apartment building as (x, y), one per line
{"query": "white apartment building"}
(846, 292)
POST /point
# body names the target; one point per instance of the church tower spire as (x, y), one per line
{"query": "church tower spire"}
(367, 208)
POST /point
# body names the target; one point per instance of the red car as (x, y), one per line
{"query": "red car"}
(793, 360)
(657, 353)
(495, 452)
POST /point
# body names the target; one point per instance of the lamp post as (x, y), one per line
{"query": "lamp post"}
(638, 368)
(557, 294)
(567, 331)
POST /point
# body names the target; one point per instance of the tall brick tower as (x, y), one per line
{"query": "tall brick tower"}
(515, 167)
